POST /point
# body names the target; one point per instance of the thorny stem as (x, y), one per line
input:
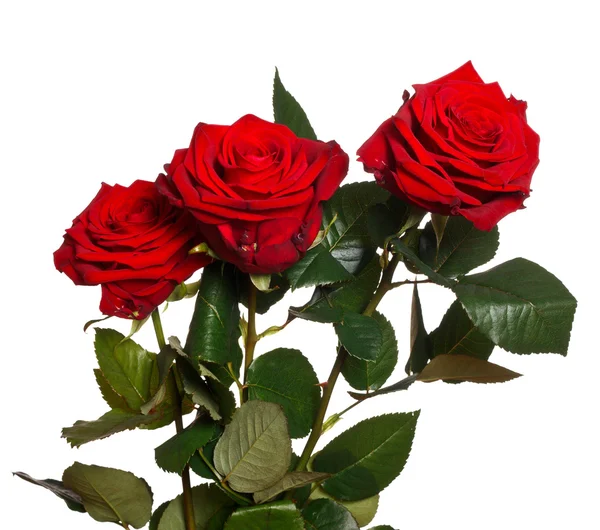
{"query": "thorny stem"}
(251, 336)
(317, 429)
(188, 505)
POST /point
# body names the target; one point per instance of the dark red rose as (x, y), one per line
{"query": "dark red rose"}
(135, 244)
(257, 190)
(458, 146)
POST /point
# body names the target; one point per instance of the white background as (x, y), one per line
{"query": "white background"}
(106, 91)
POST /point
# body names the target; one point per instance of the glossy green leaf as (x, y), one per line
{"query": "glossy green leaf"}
(382, 527)
(72, 499)
(197, 464)
(420, 343)
(366, 458)
(209, 503)
(400, 247)
(293, 480)
(363, 511)
(284, 376)
(325, 514)
(112, 422)
(438, 223)
(287, 111)
(114, 400)
(371, 375)
(318, 267)
(111, 495)
(347, 239)
(164, 363)
(462, 248)
(520, 306)
(386, 219)
(255, 449)
(198, 390)
(125, 365)
(456, 334)
(281, 515)
(360, 335)
(175, 453)
(214, 331)
(328, 303)
(456, 367)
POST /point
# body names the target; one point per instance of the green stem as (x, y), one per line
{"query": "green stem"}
(188, 504)
(317, 429)
(158, 329)
(251, 336)
(407, 282)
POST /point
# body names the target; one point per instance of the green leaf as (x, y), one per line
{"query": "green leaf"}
(264, 300)
(366, 458)
(386, 219)
(112, 422)
(404, 384)
(318, 267)
(184, 290)
(325, 514)
(209, 504)
(164, 362)
(329, 302)
(175, 453)
(111, 495)
(275, 516)
(156, 516)
(94, 321)
(214, 329)
(287, 111)
(382, 527)
(262, 282)
(399, 247)
(284, 376)
(456, 334)
(371, 375)
(255, 449)
(520, 306)
(125, 365)
(439, 222)
(197, 464)
(420, 343)
(360, 335)
(198, 390)
(72, 499)
(347, 240)
(456, 367)
(462, 248)
(293, 480)
(114, 400)
(363, 511)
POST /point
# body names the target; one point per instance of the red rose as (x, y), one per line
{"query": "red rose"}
(257, 190)
(458, 146)
(133, 243)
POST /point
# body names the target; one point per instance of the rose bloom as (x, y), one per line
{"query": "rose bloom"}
(133, 243)
(256, 189)
(458, 146)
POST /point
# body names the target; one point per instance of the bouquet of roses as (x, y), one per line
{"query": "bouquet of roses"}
(260, 208)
